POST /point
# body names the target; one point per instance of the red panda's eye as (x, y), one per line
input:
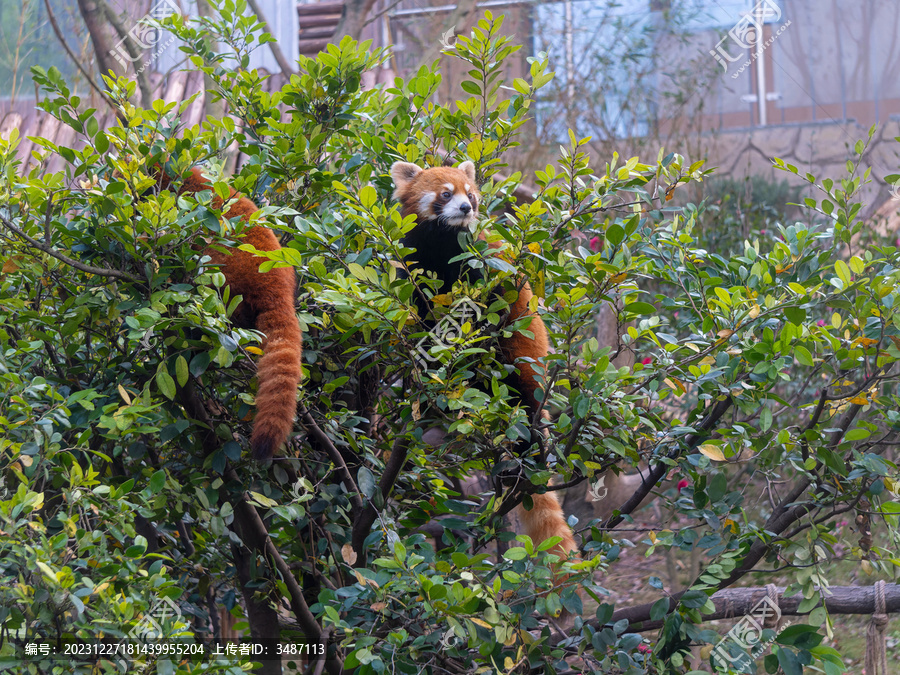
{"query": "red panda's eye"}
(471, 197)
(446, 195)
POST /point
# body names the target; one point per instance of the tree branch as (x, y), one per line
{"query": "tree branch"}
(322, 439)
(87, 76)
(89, 269)
(658, 472)
(363, 522)
(93, 20)
(353, 18)
(737, 602)
(252, 531)
(783, 516)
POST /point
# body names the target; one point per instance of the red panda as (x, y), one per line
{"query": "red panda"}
(445, 202)
(267, 305)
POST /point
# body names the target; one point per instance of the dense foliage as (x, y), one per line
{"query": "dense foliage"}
(768, 385)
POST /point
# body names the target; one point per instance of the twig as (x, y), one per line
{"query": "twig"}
(659, 471)
(89, 269)
(87, 76)
(381, 13)
(322, 439)
(255, 535)
(251, 529)
(320, 662)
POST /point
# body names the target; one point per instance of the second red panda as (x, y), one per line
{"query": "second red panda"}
(445, 202)
(267, 305)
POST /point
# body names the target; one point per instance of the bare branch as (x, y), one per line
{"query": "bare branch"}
(353, 18)
(87, 76)
(737, 602)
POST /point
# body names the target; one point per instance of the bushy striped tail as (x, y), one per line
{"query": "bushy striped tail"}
(545, 520)
(278, 373)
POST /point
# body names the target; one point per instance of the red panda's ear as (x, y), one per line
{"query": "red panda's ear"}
(403, 173)
(469, 169)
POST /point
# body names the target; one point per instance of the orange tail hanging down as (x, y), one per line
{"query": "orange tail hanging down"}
(545, 520)
(267, 306)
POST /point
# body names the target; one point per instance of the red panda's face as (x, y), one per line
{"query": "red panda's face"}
(448, 195)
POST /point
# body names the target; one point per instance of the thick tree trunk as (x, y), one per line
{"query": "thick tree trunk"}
(101, 36)
(353, 19)
(263, 619)
(455, 22)
(135, 52)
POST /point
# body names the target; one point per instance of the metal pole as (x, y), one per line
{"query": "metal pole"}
(570, 52)
(761, 76)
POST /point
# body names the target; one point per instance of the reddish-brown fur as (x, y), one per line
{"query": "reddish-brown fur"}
(546, 518)
(268, 306)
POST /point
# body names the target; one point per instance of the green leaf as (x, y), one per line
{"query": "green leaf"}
(765, 419)
(718, 486)
(803, 356)
(157, 481)
(640, 308)
(368, 196)
(101, 143)
(830, 459)
(366, 482)
(471, 88)
(840, 267)
(166, 384)
(48, 571)
(181, 370)
(516, 553)
(549, 543)
(857, 434)
(659, 609)
(789, 662)
(796, 315)
(199, 363)
(615, 234)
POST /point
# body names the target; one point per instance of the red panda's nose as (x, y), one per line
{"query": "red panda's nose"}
(465, 208)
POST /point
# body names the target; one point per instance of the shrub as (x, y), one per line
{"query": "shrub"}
(127, 393)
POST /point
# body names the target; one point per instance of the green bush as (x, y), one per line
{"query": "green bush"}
(127, 393)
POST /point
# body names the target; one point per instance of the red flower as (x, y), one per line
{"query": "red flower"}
(683, 483)
(596, 243)
(647, 361)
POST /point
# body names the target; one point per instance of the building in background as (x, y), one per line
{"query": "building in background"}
(739, 81)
